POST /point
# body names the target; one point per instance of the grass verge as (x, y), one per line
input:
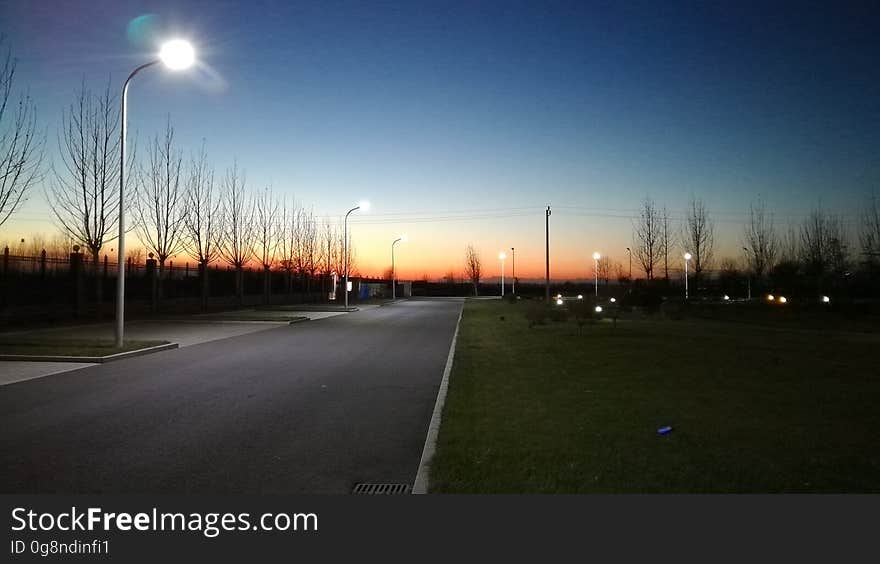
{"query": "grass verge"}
(562, 409)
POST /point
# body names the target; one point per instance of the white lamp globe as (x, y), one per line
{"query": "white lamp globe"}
(688, 256)
(364, 205)
(177, 54)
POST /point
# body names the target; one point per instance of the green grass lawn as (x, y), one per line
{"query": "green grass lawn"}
(70, 347)
(754, 408)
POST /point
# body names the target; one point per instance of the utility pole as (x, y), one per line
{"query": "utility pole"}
(513, 258)
(547, 255)
(629, 251)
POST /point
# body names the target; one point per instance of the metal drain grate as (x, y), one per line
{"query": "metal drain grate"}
(380, 489)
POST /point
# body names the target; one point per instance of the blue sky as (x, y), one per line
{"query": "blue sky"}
(425, 107)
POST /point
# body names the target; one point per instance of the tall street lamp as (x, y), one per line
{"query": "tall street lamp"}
(365, 206)
(596, 257)
(501, 257)
(176, 55)
(687, 257)
(393, 271)
(513, 276)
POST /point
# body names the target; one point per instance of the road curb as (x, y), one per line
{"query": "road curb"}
(88, 359)
(420, 486)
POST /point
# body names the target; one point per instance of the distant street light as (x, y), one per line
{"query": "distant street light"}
(598, 309)
(501, 257)
(596, 257)
(782, 299)
(176, 55)
(558, 301)
(365, 206)
(825, 299)
(770, 297)
(393, 271)
(687, 257)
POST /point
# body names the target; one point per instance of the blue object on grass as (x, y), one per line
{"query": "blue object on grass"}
(664, 430)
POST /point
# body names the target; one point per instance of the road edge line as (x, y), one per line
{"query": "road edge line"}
(420, 486)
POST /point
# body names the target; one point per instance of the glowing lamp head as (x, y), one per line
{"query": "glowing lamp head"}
(770, 297)
(782, 299)
(825, 299)
(688, 256)
(596, 256)
(404, 238)
(580, 296)
(502, 256)
(364, 205)
(177, 54)
(726, 297)
(613, 300)
(558, 301)
(598, 309)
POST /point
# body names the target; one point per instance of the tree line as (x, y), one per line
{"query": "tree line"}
(177, 203)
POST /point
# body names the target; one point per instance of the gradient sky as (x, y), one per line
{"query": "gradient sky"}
(460, 122)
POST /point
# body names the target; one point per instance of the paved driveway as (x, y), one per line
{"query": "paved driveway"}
(310, 407)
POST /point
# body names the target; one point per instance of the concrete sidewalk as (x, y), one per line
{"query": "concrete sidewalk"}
(183, 333)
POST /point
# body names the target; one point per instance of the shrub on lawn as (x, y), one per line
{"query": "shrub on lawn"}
(582, 311)
(536, 314)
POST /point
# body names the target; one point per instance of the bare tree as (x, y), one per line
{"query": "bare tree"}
(759, 239)
(329, 250)
(823, 249)
(266, 236)
(84, 194)
(699, 237)
(202, 220)
(288, 239)
(606, 266)
(473, 268)
(21, 145)
(666, 237)
(310, 247)
(869, 235)
(237, 233)
(789, 246)
(647, 235)
(160, 206)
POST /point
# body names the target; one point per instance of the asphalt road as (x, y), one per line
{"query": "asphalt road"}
(309, 408)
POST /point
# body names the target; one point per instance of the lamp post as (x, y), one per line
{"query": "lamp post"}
(596, 257)
(687, 257)
(547, 256)
(501, 257)
(513, 276)
(393, 271)
(361, 206)
(176, 55)
(628, 250)
(748, 274)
